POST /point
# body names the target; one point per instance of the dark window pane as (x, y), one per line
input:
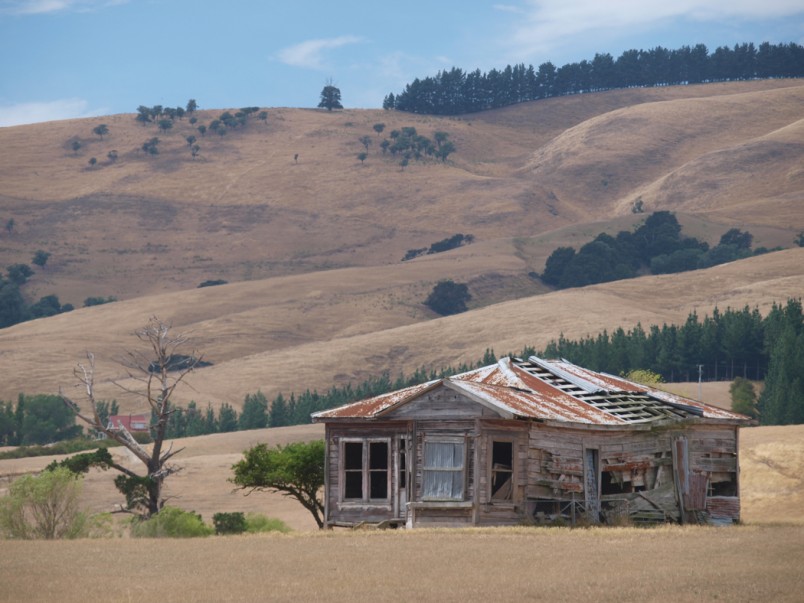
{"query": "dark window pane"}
(353, 487)
(353, 455)
(378, 455)
(379, 484)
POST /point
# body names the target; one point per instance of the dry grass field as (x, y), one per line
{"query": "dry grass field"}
(520, 564)
(756, 561)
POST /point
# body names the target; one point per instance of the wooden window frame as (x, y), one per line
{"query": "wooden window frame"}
(366, 470)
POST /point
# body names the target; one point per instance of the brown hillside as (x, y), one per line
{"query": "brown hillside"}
(312, 249)
(244, 210)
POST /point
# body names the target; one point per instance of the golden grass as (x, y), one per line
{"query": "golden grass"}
(756, 561)
(522, 564)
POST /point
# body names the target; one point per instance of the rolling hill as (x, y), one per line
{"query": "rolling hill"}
(312, 248)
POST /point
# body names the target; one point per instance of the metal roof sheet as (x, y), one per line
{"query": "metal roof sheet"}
(547, 390)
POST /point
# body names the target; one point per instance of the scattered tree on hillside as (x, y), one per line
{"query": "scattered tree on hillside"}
(190, 140)
(192, 106)
(330, 97)
(165, 124)
(378, 128)
(800, 239)
(112, 156)
(92, 161)
(75, 146)
(11, 223)
(362, 157)
(365, 141)
(195, 150)
(202, 129)
(448, 297)
(263, 116)
(19, 273)
(40, 258)
(101, 130)
(295, 470)
(150, 146)
(153, 370)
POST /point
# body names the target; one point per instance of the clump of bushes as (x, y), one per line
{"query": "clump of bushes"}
(253, 523)
(171, 522)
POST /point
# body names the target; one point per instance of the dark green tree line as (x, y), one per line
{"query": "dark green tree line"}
(455, 91)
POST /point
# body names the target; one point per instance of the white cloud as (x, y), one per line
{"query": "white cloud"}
(508, 8)
(29, 113)
(310, 54)
(41, 7)
(548, 23)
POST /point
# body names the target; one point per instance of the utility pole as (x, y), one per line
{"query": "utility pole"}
(700, 372)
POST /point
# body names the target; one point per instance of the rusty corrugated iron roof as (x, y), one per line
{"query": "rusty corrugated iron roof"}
(548, 391)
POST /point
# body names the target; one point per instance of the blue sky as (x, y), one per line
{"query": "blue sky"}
(76, 58)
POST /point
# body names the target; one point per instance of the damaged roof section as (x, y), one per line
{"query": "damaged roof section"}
(549, 391)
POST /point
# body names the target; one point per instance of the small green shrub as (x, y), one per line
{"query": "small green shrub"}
(44, 506)
(229, 523)
(256, 523)
(171, 522)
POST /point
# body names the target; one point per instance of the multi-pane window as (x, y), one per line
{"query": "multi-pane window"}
(443, 470)
(365, 469)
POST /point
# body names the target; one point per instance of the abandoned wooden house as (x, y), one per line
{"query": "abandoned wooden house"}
(530, 441)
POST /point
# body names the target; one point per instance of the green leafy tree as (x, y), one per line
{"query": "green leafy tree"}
(165, 124)
(448, 297)
(195, 150)
(101, 130)
(378, 128)
(40, 258)
(19, 273)
(255, 412)
(191, 140)
(157, 377)
(45, 506)
(445, 150)
(295, 470)
(365, 141)
(743, 397)
(202, 129)
(151, 146)
(13, 308)
(362, 156)
(263, 116)
(192, 106)
(75, 146)
(93, 161)
(330, 97)
(46, 420)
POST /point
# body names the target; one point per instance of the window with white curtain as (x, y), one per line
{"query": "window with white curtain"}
(443, 470)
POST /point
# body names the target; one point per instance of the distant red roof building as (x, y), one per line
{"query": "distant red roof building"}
(132, 423)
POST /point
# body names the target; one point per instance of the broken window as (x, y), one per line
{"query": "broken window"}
(443, 470)
(365, 469)
(502, 470)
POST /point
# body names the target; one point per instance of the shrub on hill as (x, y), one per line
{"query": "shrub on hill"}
(448, 297)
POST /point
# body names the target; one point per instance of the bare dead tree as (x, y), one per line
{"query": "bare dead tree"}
(156, 371)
